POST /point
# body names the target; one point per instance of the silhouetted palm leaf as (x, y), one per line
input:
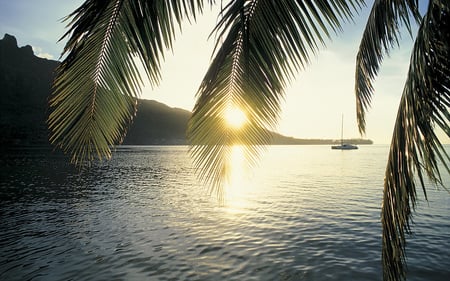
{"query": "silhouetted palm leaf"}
(261, 44)
(415, 148)
(380, 35)
(97, 84)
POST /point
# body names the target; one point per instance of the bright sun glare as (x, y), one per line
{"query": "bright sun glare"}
(235, 117)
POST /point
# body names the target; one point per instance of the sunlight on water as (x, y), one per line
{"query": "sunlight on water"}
(238, 185)
(303, 213)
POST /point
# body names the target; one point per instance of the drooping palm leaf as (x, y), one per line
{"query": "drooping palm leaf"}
(261, 45)
(415, 148)
(97, 84)
(380, 35)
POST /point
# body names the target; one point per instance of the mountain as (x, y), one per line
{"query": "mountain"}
(25, 85)
(157, 123)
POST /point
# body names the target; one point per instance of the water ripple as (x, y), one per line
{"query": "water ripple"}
(144, 216)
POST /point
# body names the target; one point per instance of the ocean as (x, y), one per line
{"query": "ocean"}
(303, 213)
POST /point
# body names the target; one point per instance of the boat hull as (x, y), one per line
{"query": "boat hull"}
(344, 147)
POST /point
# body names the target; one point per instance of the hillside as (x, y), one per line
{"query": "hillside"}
(25, 85)
(157, 123)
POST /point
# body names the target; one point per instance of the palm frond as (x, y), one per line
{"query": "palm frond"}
(261, 45)
(380, 35)
(415, 148)
(98, 83)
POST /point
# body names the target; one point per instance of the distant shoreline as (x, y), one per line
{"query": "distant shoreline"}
(24, 107)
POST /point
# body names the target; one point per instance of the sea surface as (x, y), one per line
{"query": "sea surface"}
(304, 213)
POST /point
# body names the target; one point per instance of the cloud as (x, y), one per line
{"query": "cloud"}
(38, 51)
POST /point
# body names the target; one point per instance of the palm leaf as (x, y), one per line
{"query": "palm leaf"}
(98, 83)
(415, 148)
(261, 45)
(380, 35)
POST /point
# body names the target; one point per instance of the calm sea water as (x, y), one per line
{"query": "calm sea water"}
(306, 213)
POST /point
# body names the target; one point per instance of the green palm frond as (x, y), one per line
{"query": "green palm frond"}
(380, 35)
(97, 85)
(261, 45)
(415, 148)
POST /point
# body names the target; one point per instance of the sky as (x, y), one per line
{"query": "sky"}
(314, 101)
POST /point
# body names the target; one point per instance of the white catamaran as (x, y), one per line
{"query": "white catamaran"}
(343, 146)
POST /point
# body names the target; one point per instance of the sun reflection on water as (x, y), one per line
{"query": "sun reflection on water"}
(238, 186)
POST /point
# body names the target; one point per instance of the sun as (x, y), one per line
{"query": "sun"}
(235, 117)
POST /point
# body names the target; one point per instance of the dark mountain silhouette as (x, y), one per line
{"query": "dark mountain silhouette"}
(25, 85)
(156, 123)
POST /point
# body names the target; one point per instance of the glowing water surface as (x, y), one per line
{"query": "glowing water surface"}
(304, 213)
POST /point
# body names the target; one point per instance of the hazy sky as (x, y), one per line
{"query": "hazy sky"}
(314, 101)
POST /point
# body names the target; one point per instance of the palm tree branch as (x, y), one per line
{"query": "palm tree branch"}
(415, 149)
(98, 83)
(261, 45)
(381, 33)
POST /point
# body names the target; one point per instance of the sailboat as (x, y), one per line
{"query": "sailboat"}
(343, 146)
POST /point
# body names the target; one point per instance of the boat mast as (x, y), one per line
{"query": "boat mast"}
(342, 129)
